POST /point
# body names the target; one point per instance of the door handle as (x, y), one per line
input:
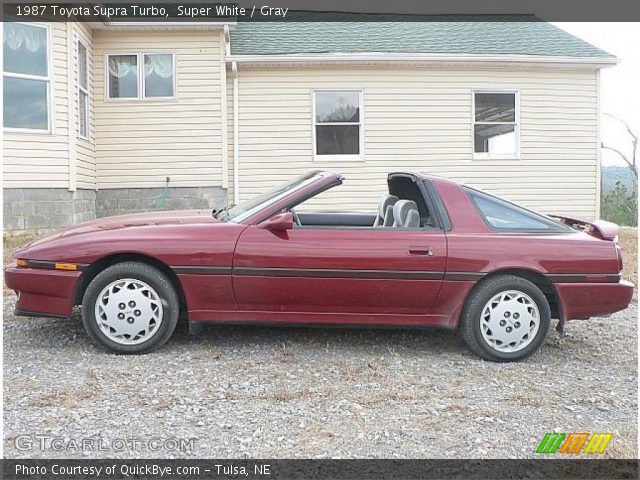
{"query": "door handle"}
(421, 251)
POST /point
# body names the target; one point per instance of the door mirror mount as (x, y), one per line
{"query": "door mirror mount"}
(280, 222)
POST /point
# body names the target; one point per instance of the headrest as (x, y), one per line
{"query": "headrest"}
(401, 211)
(387, 201)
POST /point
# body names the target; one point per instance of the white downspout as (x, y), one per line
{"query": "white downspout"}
(236, 140)
(598, 146)
(72, 111)
(223, 109)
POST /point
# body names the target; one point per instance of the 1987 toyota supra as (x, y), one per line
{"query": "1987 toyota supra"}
(436, 253)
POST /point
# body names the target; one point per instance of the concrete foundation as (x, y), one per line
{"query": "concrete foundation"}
(119, 201)
(41, 210)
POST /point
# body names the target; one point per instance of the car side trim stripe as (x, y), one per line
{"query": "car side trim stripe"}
(199, 270)
(583, 278)
(352, 273)
(463, 276)
(378, 274)
(49, 265)
(338, 273)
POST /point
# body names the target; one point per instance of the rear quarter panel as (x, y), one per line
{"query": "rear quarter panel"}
(548, 254)
(474, 247)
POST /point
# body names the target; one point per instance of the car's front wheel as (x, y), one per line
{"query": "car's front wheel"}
(130, 308)
(505, 319)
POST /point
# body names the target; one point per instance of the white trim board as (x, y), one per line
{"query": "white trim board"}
(423, 57)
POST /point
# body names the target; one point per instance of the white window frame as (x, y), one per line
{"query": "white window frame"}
(516, 123)
(82, 90)
(338, 158)
(47, 79)
(141, 76)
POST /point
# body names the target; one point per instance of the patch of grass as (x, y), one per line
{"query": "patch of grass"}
(628, 241)
(320, 431)
(65, 397)
(283, 394)
(285, 353)
(13, 242)
(207, 353)
(349, 374)
(10, 244)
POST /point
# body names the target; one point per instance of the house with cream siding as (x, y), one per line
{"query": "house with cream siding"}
(106, 118)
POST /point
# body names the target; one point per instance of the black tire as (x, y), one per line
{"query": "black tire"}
(470, 320)
(153, 278)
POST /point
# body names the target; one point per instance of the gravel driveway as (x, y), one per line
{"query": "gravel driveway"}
(266, 392)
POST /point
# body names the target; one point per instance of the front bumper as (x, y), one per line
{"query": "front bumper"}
(584, 300)
(42, 292)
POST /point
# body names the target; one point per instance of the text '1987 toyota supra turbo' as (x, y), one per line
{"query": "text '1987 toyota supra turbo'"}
(436, 253)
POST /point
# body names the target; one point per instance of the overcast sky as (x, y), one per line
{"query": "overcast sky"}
(620, 85)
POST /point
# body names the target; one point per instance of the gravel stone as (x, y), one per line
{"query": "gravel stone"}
(261, 392)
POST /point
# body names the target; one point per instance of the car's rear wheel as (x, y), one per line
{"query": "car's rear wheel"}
(505, 319)
(130, 308)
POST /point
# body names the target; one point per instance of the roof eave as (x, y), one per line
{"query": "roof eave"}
(385, 57)
(159, 25)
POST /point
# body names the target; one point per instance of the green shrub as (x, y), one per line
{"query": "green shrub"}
(620, 206)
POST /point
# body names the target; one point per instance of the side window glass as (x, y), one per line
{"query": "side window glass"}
(503, 215)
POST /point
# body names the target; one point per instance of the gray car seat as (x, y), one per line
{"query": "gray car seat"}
(385, 211)
(406, 214)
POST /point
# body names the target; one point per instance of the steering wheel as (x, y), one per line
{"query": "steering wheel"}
(296, 218)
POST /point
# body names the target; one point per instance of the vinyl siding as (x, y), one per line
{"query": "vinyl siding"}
(420, 119)
(45, 159)
(85, 148)
(32, 160)
(141, 142)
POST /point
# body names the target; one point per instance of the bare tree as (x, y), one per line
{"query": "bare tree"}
(634, 142)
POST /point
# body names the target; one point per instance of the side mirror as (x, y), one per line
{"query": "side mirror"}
(279, 223)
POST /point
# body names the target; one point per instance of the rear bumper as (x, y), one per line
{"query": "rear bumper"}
(582, 300)
(42, 292)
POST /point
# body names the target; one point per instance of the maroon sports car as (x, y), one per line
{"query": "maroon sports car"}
(436, 253)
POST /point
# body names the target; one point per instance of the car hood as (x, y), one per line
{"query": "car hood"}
(175, 217)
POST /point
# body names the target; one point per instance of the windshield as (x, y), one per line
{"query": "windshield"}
(249, 207)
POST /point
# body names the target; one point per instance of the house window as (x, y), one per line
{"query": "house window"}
(26, 76)
(83, 91)
(158, 75)
(141, 76)
(495, 129)
(123, 76)
(338, 124)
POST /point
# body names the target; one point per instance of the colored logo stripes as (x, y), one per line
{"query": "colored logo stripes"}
(573, 443)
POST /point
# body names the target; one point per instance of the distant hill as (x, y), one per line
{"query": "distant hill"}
(612, 174)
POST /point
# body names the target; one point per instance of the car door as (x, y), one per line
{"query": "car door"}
(339, 269)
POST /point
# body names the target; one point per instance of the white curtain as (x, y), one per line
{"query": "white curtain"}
(161, 65)
(121, 65)
(16, 35)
